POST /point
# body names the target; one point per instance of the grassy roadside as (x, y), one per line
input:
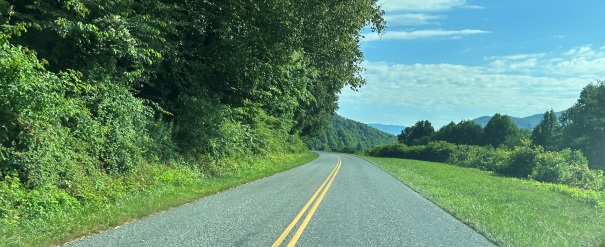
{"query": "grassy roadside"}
(59, 228)
(508, 211)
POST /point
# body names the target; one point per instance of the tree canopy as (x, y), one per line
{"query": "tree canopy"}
(548, 132)
(465, 132)
(501, 130)
(419, 134)
(584, 124)
(128, 81)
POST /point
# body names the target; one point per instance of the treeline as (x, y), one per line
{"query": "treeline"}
(346, 135)
(91, 91)
(526, 161)
(544, 154)
(581, 127)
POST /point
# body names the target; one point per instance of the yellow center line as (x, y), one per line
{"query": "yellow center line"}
(322, 189)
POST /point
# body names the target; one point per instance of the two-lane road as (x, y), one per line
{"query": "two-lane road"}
(335, 200)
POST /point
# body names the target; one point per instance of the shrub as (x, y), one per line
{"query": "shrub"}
(567, 167)
(521, 161)
(563, 167)
(440, 151)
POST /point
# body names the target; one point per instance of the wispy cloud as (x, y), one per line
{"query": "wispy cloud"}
(517, 56)
(522, 84)
(420, 34)
(412, 19)
(583, 61)
(420, 5)
(473, 7)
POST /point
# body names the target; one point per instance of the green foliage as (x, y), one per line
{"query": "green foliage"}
(584, 124)
(501, 130)
(348, 136)
(466, 132)
(567, 167)
(521, 161)
(564, 167)
(419, 134)
(548, 132)
(100, 99)
(433, 151)
(57, 127)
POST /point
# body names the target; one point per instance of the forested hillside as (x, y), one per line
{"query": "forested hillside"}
(96, 94)
(344, 134)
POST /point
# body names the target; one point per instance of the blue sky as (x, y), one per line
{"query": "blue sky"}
(449, 60)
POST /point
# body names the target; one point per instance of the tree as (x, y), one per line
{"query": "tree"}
(584, 124)
(465, 132)
(419, 134)
(548, 132)
(470, 132)
(501, 130)
(448, 133)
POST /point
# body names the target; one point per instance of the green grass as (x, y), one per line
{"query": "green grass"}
(508, 211)
(60, 228)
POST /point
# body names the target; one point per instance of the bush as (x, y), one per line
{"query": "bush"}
(391, 151)
(58, 128)
(440, 151)
(521, 161)
(563, 167)
(567, 167)
(484, 158)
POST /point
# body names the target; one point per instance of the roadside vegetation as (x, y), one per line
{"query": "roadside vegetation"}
(519, 187)
(508, 211)
(102, 101)
(566, 151)
(157, 188)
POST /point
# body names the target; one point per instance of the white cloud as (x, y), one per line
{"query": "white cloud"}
(439, 87)
(473, 7)
(420, 34)
(411, 19)
(582, 62)
(420, 5)
(585, 52)
(520, 85)
(517, 56)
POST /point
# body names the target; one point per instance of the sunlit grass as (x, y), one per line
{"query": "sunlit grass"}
(508, 211)
(60, 228)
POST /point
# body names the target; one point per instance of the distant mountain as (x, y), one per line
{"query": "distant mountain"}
(346, 133)
(391, 129)
(529, 122)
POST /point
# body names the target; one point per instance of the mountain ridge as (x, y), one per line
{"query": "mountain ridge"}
(389, 128)
(529, 122)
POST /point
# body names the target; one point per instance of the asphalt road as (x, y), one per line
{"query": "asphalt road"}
(340, 200)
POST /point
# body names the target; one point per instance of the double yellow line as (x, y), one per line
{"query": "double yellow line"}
(321, 191)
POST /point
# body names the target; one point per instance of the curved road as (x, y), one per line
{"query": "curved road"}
(341, 200)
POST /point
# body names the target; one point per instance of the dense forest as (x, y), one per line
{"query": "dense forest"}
(92, 91)
(346, 135)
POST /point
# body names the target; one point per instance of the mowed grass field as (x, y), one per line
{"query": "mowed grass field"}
(508, 211)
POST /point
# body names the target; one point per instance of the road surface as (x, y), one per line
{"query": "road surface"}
(335, 200)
